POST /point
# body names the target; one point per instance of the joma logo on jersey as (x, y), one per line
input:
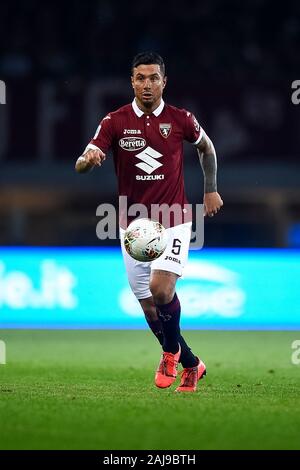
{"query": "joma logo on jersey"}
(149, 163)
(132, 131)
(132, 143)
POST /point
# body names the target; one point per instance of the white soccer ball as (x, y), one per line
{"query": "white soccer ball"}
(145, 240)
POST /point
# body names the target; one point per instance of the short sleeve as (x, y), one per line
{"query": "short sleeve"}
(103, 136)
(193, 130)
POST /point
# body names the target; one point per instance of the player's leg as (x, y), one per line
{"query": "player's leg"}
(162, 287)
(152, 318)
(169, 316)
(138, 274)
(164, 274)
(187, 358)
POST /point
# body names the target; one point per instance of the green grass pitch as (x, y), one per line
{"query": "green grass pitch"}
(94, 390)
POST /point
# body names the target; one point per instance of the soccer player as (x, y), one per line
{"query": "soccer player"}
(146, 138)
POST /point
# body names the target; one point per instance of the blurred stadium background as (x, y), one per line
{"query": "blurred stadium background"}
(65, 65)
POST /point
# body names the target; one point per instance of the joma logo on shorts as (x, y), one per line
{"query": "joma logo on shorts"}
(132, 143)
(170, 258)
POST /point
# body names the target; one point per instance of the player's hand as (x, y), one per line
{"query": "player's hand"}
(212, 204)
(89, 159)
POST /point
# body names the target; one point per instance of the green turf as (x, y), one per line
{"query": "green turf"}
(94, 390)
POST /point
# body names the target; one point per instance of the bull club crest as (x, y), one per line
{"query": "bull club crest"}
(165, 130)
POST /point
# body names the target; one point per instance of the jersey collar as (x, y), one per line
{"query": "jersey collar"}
(140, 113)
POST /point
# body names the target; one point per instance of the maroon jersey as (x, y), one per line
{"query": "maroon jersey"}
(148, 154)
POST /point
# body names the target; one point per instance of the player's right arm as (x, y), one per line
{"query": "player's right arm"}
(94, 153)
(89, 159)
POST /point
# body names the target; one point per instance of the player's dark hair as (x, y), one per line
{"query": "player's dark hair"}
(146, 58)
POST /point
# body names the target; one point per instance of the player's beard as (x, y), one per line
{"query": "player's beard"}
(148, 104)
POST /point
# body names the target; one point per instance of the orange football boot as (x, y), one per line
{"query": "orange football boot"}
(167, 369)
(190, 377)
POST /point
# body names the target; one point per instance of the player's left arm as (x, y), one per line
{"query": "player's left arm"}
(208, 160)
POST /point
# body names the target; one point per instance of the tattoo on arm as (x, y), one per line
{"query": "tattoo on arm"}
(208, 161)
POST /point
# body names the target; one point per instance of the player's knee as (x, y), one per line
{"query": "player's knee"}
(162, 295)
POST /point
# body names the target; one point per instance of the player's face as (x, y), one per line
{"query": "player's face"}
(148, 84)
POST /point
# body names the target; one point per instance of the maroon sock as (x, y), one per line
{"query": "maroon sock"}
(187, 358)
(171, 332)
(156, 328)
(169, 315)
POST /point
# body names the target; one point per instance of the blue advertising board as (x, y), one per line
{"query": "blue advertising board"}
(88, 288)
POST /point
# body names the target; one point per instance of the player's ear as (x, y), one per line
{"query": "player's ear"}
(165, 81)
(132, 81)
